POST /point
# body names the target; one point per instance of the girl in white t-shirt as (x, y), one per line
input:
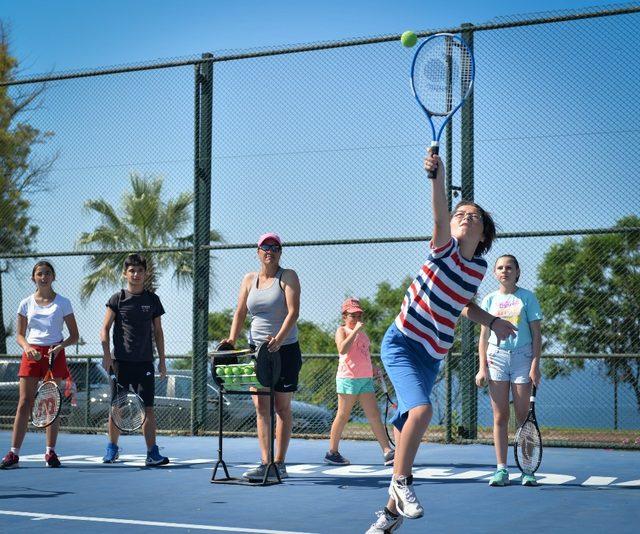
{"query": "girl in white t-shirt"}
(41, 317)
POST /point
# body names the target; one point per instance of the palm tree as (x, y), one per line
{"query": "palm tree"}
(145, 222)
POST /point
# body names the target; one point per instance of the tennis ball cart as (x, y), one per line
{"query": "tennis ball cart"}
(245, 372)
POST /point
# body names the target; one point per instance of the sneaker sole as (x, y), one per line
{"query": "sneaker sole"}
(157, 464)
(408, 516)
(330, 462)
(13, 466)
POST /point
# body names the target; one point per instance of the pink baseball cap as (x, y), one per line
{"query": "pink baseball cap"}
(269, 235)
(351, 305)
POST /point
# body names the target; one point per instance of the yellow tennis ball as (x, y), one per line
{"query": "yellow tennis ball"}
(408, 39)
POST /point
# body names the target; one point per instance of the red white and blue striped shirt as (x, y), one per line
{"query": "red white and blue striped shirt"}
(435, 299)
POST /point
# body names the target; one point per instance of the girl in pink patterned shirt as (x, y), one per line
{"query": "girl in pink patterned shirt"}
(354, 382)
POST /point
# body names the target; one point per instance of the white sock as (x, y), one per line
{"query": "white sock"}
(502, 466)
(15, 450)
(49, 450)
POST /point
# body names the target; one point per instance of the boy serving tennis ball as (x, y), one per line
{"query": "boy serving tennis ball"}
(423, 331)
(136, 313)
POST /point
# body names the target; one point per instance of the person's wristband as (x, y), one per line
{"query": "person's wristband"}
(491, 323)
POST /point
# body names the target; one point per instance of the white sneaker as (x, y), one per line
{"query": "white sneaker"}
(401, 491)
(385, 524)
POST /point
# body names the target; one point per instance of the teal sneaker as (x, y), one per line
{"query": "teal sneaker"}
(529, 480)
(500, 478)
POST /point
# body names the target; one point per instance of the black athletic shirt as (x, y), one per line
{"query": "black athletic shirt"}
(133, 328)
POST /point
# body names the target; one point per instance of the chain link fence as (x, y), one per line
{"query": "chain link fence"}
(323, 144)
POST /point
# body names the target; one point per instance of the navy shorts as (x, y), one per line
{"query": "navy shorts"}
(291, 363)
(411, 369)
(138, 375)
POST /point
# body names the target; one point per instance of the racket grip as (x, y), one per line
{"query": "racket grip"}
(433, 149)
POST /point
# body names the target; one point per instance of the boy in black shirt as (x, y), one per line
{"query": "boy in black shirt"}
(137, 315)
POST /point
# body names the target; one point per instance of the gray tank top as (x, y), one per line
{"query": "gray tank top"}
(268, 309)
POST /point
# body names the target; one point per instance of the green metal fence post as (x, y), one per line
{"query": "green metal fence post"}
(201, 237)
(87, 381)
(615, 394)
(469, 363)
(449, 185)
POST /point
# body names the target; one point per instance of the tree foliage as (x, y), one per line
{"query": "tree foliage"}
(590, 296)
(22, 173)
(145, 221)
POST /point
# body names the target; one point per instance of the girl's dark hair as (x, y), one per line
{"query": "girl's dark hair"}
(489, 227)
(42, 263)
(512, 258)
(134, 260)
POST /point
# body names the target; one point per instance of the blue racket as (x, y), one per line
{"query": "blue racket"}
(442, 74)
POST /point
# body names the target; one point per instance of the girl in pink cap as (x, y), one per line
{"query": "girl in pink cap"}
(354, 382)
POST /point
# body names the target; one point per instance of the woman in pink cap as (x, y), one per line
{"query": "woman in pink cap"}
(272, 298)
(354, 382)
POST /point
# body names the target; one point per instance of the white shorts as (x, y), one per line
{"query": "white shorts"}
(510, 365)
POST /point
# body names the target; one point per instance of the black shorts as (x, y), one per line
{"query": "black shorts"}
(140, 376)
(291, 363)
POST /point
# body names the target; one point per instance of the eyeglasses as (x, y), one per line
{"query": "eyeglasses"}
(270, 248)
(461, 215)
(354, 314)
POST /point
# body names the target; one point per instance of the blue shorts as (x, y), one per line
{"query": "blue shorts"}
(411, 369)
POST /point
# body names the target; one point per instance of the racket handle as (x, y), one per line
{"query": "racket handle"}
(434, 149)
(383, 385)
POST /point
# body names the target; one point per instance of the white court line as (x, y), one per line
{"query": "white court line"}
(39, 516)
(598, 481)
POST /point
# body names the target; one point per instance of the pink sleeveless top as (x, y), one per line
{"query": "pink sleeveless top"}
(357, 362)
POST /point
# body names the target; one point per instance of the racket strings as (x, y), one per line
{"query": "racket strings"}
(46, 405)
(529, 448)
(127, 411)
(442, 74)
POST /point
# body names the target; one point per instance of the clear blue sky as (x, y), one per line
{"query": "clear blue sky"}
(105, 129)
(67, 34)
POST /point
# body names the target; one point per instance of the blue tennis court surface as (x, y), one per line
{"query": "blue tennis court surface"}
(581, 490)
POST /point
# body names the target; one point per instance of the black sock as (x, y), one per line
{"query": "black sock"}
(408, 480)
(390, 513)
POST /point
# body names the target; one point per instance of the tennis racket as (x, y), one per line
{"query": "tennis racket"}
(127, 409)
(527, 447)
(442, 74)
(389, 402)
(48, 400)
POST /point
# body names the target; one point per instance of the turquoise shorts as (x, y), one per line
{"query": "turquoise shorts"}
(354, 386)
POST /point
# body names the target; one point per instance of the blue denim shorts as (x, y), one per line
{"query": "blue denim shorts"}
(411, 369)
(510, 365)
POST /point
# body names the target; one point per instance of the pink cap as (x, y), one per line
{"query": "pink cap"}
(269, 235)
(351, 305)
